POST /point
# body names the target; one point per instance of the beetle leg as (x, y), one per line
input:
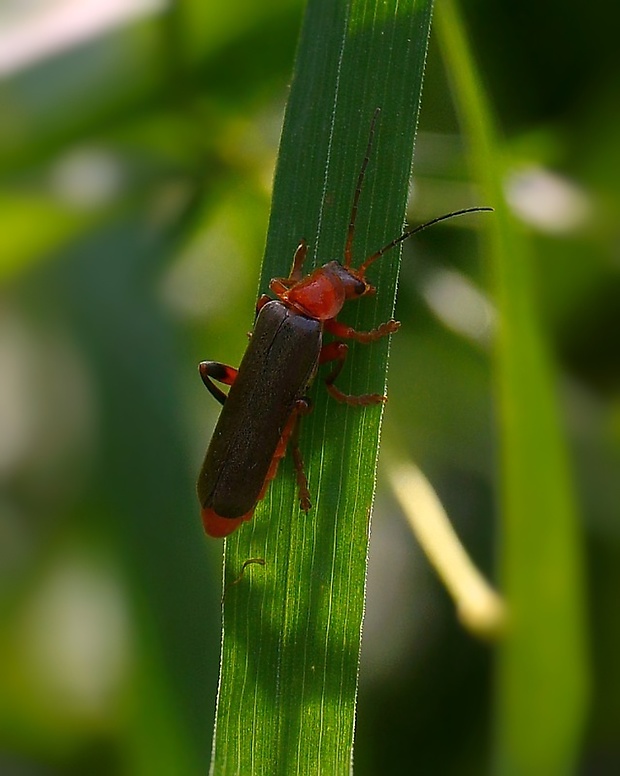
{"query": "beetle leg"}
(337, 351)
(298, 262)
(280, 286)
(263, 299)
(221, 373)
(348, 332)
(302, 408)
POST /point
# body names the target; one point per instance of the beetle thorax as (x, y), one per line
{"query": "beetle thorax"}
(322, 294)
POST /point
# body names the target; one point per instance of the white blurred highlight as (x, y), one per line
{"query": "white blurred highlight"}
(547, 200)
(459, 305)
(32, 32)
(87, 177)
(76, 636)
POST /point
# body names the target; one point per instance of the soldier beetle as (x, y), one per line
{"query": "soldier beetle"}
(267, 396)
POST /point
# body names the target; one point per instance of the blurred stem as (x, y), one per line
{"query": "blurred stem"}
(480, 608)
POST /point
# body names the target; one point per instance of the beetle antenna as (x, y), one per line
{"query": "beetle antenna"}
(362, 269)
(348, 250)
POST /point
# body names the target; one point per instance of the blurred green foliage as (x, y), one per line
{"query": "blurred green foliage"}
(134, 196)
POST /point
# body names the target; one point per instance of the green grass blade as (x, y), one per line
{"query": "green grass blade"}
(542, 671)
(291, 638)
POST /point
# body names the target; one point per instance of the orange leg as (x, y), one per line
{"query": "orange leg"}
(291, 431)
(347, 332)
(303, 408)
(299, 258)
(221, 373)
(262, 301)
(280, 286)
(337, 351)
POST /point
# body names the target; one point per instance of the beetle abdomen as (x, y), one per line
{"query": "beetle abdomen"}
(275, 371)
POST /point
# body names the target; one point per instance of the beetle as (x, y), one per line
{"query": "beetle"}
(267, 395)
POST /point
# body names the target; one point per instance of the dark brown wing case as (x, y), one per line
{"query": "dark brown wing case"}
(275, 371)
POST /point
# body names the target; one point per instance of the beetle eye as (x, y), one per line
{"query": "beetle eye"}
(361, 288)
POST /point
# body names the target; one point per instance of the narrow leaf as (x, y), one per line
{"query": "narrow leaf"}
(292, 627)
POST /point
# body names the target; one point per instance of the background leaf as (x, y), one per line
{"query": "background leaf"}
(542, 670)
